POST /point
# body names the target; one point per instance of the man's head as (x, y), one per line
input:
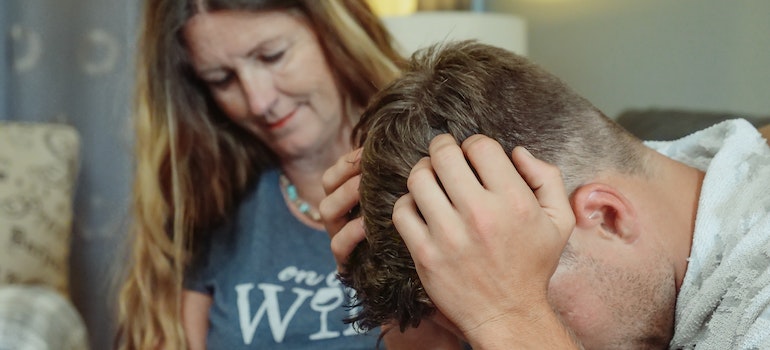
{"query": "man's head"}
(463, 89)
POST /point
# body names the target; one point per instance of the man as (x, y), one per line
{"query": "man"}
(590, 238)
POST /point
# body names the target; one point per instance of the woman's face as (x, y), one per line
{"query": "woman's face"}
(267, 72)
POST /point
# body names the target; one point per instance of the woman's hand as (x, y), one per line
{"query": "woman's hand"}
(485, 248)
(341, 185)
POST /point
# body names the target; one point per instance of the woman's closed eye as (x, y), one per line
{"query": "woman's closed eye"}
(272, 57)
(220, 82)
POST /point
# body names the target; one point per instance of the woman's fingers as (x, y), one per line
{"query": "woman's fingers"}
(341, 183)
(346, 239)
(334, 208)
(345, 168)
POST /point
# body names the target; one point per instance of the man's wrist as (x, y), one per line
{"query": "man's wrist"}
(539, 328)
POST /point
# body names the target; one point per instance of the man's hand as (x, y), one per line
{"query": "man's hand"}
(485, 248)
(341, 185)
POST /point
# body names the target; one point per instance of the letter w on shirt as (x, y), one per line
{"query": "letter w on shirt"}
(270, 306)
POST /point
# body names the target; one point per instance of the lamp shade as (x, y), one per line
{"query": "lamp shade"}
(422, 29)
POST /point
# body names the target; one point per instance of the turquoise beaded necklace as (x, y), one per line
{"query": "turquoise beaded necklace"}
(304, 207)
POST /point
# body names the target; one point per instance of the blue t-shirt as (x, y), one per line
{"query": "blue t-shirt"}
(273, 281)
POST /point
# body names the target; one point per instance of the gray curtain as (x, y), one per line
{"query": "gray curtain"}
(71, 61)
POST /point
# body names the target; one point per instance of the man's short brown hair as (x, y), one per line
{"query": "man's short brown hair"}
(463, 88)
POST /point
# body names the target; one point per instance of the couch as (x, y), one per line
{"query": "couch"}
(38, 167)
(670, 124)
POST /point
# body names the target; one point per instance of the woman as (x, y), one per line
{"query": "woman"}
(242, 106)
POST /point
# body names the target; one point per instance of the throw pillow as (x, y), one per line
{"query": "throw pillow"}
(38, 166)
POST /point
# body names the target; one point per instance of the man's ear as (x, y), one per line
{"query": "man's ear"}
(604, 207)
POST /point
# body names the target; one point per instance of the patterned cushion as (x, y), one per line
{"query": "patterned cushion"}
(38, 165)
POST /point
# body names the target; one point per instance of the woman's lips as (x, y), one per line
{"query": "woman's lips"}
(281, 122)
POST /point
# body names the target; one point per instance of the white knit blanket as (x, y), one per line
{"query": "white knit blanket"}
(724, 302)
(39, 318)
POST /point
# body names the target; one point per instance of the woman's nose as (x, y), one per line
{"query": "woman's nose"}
(259, 91)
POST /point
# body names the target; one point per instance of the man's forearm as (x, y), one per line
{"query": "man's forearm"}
(536, 331)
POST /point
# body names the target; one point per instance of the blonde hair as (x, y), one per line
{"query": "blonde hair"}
(192, 164)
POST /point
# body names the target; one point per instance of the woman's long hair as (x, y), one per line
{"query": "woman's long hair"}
(193, 165)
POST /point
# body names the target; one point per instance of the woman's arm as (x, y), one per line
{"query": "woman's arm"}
(195, 318)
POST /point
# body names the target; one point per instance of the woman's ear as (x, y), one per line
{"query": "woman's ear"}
(605, 208)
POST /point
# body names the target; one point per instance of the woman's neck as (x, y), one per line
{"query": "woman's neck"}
(305, 172)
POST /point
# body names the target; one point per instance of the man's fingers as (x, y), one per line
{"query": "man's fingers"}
(409, 224)
(429, 196)
(492, 164)
(450, 165)
(548, 186)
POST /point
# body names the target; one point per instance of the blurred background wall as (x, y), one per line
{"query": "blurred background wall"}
(693, 54)
(71, 61)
